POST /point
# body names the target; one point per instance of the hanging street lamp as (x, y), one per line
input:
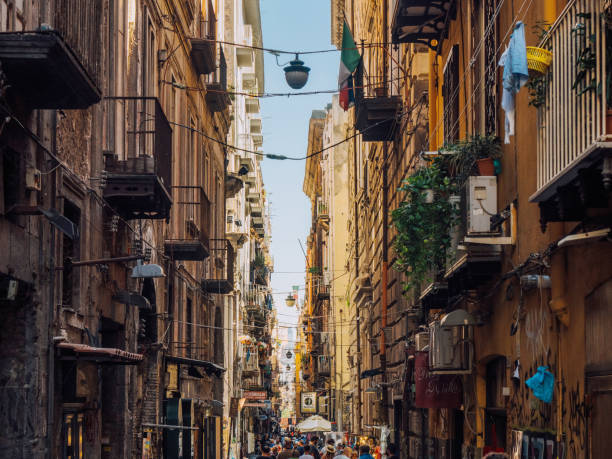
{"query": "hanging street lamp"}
(290, 301)
(296, 73)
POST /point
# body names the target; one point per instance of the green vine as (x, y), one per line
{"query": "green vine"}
(460, 157)
(423, 222)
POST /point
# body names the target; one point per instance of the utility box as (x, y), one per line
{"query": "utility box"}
(482, 204)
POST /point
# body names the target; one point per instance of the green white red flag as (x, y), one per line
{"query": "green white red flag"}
(349, 60)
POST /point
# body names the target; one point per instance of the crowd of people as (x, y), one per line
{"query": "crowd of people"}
(314, 447)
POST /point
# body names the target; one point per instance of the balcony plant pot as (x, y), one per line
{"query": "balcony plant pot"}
(486, 166)
(379, 92)
(609, 121)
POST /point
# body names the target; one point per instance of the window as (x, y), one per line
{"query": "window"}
(189, 327)
(11, 173)
(450, 94)
(70, 250)
(72, 436)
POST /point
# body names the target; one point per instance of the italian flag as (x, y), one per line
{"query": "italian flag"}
(349, 59)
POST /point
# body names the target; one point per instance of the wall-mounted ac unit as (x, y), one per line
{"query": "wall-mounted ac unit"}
(481, 203)
(450, 349)
(421, 340)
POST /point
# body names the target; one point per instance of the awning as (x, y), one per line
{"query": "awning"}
(209, 367)
(371, 372)
(75, 351)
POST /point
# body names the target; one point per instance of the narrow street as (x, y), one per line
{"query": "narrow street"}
(353, 229)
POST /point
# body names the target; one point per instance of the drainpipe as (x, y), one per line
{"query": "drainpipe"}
(358, 313)
(385, 249)
(51, 309)
(550, 11)
(384, 298)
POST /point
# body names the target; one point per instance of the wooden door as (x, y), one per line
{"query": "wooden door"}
(599, 369)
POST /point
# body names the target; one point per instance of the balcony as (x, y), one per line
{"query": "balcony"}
(250, 363)
(255, 304)
(376, 115)
(189, 240)
(322, 210)
(324, 365)
(217, 98)
(421, 21)
(46, 72)
(137, 187)
(219, 268)
(203, 55)
(574, 147)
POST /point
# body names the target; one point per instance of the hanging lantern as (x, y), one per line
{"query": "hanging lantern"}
(290, 301)
(296, 73)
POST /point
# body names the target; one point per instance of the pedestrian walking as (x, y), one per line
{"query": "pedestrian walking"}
(364, 452)
(288, 451)
(307, 454)
(330, 452)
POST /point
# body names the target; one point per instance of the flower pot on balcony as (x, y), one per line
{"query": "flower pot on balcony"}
(609, 121)
(486, 166)
(379, 92)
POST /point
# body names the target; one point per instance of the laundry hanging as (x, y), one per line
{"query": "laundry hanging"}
(542, 384)
(516, 74)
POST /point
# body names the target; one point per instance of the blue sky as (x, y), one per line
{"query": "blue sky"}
(294, 26)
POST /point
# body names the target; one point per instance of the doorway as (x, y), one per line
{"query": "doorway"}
(598, 311)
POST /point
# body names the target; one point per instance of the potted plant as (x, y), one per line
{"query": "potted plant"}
(476, 154)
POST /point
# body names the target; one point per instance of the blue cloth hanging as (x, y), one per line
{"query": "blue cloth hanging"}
(516, 74)
(542, 384)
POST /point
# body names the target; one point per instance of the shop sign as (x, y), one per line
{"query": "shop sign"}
(435, 391)
(309, 402)
(255, 404)
(255, 394)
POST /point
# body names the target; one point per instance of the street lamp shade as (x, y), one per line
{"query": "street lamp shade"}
(296, 73)
(290, 301)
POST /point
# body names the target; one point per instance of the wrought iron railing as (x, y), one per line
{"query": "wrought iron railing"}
(78, 22)
(192, 210)
(140, 137)
(573, 115)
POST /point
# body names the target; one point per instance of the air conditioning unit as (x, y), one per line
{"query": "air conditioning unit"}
(482, 204)
(450, 349)
(421, 340)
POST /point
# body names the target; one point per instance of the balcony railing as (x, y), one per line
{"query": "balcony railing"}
(45, 72)
(420, 21)
(203, 46)
(572, 133)
(324, 365)
(376, 114)
(78, 22)
(219, 267)
(217, 97)
(138, 158)
(189, 238)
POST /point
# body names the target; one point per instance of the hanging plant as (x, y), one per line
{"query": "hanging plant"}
(424, 224)
(538, 82)
(587, 57)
